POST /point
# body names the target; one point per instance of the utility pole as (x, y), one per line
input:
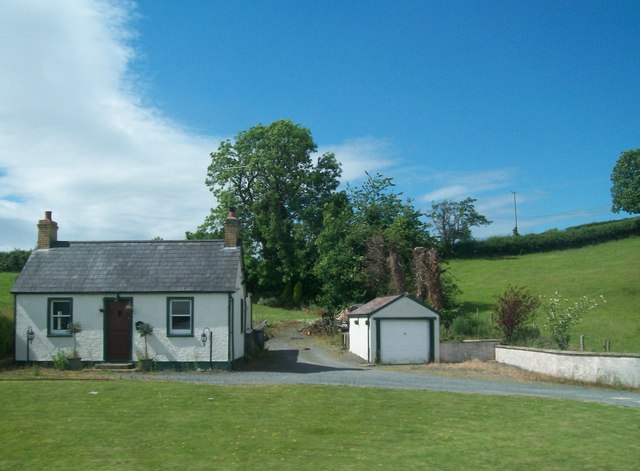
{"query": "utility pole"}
(515, 213)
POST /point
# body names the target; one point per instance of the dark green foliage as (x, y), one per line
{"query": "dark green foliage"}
(297, 294)
(471, 327)
(362, 228)
(570, 238)
(527, 335)
(13, 261)
(625, 179)
(514, 308)
(279, 187)
(452, 222)
(6, 337)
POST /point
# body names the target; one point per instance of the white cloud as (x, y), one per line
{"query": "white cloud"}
(367, 154)
(74, 137)
(457, 186)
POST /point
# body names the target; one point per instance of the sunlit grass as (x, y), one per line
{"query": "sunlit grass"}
(611, 269)
(151, 425)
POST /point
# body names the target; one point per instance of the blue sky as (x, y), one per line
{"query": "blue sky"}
(108, 110)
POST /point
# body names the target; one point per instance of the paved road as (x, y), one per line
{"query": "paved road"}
(296, 359)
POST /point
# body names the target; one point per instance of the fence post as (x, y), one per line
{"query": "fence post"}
(582, 343)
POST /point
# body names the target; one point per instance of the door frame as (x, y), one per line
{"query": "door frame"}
(105, 327)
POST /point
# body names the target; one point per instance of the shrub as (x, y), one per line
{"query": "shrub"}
(60, 360)
(471, 327)
(527, 335)
(561, 314)
(6, 337)
(297, 293)
(514, 308)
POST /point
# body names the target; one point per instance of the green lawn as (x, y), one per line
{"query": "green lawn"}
(276, 314)
(152, 425)
(611, 269)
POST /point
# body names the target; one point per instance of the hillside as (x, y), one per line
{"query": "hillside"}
(6, 300)
(611, 269)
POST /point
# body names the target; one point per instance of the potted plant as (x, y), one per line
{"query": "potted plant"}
(145, 329)
(75, 362)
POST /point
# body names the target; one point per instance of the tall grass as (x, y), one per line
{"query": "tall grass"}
(611, 269)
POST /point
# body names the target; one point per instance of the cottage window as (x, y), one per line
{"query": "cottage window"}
(60, 315)
(180, 316)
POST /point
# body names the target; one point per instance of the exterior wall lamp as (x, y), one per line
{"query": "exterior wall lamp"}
(30, 336)
(207, 334)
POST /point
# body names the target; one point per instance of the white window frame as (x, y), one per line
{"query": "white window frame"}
(170, 315)
(55, 317)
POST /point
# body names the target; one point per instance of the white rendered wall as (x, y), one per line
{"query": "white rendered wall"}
(607, 368)
(358, 337)
(210, 310)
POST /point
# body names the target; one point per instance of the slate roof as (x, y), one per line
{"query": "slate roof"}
(128, 267)
(374, 305)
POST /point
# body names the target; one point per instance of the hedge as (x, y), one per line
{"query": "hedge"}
(554, 239)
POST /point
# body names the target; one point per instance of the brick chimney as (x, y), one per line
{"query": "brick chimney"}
(231, 229)
(47, 231)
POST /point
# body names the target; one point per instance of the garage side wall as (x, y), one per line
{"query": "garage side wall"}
(359, 337)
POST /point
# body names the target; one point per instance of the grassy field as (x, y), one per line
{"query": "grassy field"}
(152, 425)
(611, 269)
(6, 300)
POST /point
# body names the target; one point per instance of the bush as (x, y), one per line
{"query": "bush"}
(297, 294)
(514, 308)
(561, 314)
(526, 335)
(60, 361)
(6, 337)
(471, 327)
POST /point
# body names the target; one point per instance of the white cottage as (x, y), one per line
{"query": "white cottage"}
(395, 329)
(192, 292)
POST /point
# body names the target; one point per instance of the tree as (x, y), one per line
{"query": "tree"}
(561, 314)
(453, 220)
(625, 179)
(366, 245)
(514, 308)
(278, 186)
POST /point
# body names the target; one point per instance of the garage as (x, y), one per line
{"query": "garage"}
(396, 329)
(403, 341)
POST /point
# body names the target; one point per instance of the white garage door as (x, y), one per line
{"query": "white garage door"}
(404, 340)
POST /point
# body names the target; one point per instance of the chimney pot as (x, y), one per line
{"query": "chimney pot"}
(47, 232)
(231, 229)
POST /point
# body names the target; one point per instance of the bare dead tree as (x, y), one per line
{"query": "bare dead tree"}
(397, 276)
(428, 276)
(434, 279)
(420, 272)
(376, 264)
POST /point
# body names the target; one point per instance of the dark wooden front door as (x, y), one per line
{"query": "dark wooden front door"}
(118, 330)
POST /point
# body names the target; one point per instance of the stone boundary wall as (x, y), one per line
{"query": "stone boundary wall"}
(607, 368)
(458, 352)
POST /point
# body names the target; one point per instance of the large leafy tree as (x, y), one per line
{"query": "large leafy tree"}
(625, 180)
(366, 245)
(270, 173)
(453, 220)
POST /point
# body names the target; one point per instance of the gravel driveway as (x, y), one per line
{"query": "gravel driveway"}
(293, 358)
